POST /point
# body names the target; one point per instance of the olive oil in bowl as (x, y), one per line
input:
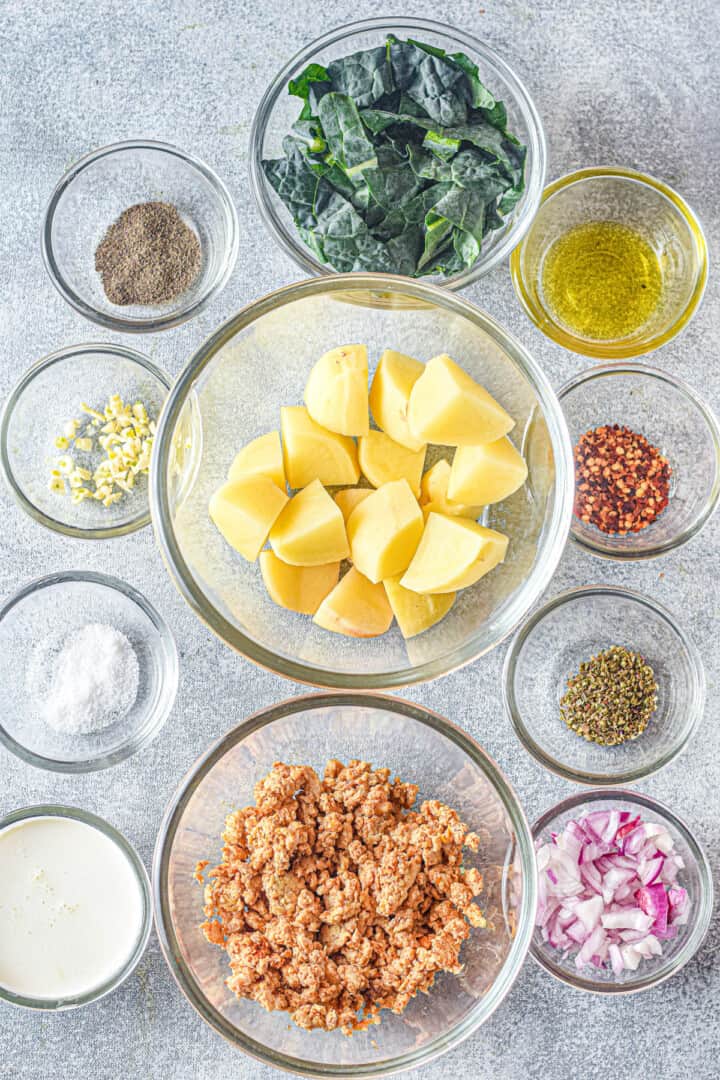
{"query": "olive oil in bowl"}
(602, 280)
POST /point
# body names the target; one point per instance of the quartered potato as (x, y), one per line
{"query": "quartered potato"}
(349, 498)
(453, 554)
(336, 393)
(434, 493)
(245, 510)
(448, 407)
(394, 378)
(384, 530)
(486, 474)
(416, 612)
(261, 457)
(382, 459)
(310, 531)
(314, 453)
(297, 588)
(356, 607)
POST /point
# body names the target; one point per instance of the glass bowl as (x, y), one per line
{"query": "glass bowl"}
(647, 205)
(696, 877)
(278, 111)
(50, 394)
(673, 418)
(419, 746)
(128, 852)
(93, 194)
(550, 647)
(231, 391)
(35, 623)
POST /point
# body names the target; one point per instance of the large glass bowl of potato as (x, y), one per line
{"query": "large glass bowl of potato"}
(361, 481)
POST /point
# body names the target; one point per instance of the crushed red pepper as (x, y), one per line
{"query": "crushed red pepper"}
(622, 481)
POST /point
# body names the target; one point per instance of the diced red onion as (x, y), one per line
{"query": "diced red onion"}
(608, 890)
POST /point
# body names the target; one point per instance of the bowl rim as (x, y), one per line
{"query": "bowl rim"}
(170, 675)
(694, 708)
(693, 940)
(102, 532)
(76, 813)
(291, 244)
(184, 311)
(613, 350)
(524, 848)
(599, 547)
(556, 531)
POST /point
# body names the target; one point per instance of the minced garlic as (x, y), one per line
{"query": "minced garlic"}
(125, 434)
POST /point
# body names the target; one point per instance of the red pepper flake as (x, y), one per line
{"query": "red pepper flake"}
(622, 482)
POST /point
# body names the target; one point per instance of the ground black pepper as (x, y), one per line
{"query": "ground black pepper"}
(148, 256)
(611, 698)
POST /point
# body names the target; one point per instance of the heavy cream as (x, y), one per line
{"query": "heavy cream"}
(71, 908)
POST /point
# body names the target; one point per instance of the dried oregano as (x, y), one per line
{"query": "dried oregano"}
(612, 697)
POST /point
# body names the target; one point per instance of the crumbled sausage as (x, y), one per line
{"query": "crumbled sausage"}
(334, 900)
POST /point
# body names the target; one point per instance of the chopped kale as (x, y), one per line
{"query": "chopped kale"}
(400, 161)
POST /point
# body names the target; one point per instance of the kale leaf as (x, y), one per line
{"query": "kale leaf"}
(400, 161)
(345, 133)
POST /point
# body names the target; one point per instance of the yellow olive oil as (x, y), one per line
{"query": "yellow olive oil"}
(601, 280)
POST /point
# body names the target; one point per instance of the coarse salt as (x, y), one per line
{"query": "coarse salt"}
(94, 681)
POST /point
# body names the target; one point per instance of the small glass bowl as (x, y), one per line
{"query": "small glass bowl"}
(34, 624)
(93, 194)
(652, 208)
(568, 630)
(278, 111)
(696, 877)
(128, 851)
(419, 746)
(49, 395)
(673, 418)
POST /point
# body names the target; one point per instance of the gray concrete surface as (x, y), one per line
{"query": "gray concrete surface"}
(633, 85)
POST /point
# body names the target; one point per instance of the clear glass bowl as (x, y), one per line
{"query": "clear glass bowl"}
(128, 851)
(42, 614)
(47, 396)
(93, 194)
(278, 111)
(231, 391)
(415, 744)
(550, 647)
(672, 417)
(696, 878)
(652, 208)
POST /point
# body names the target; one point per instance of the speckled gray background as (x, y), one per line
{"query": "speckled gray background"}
(634, 85)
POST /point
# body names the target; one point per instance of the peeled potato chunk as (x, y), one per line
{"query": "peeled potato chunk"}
(434, 492)
(348, 499)
(297, 588)
(394, 378)
(382, 460)
(336, 393)
(310, 531)
(245, 510)
(314, 453)
(356, 607)
(448, 407)
(413, 611)
(261, 457)
(384, 530)
(486, 474)
(453, 554)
